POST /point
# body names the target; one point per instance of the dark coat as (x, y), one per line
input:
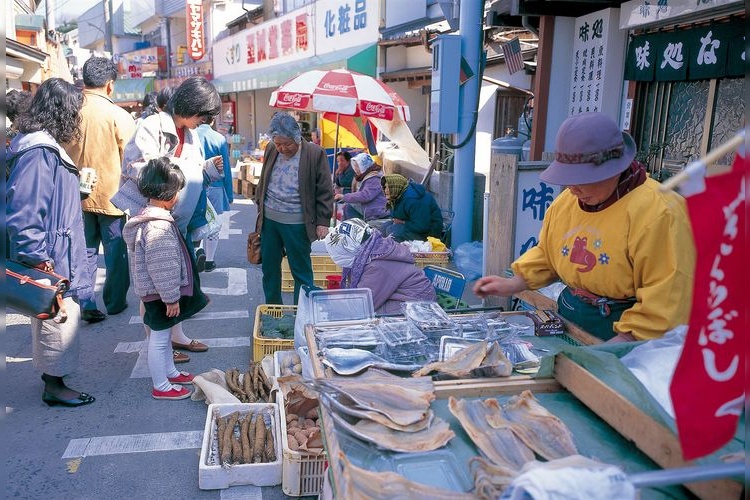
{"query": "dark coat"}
(43, 213)
(315, 185)
(420, 213)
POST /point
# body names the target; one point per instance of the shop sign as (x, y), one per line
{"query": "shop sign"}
(715, 50)
(197, 69)
(533, 199)
(596, 38)
(345, 23)
(141, 62)
(282, 40)
(195, 35)
(638, 13)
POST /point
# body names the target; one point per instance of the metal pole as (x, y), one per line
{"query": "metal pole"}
(470, 28)
(684, 475)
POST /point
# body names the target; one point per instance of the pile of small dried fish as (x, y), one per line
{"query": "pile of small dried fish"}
(478, 360)
(386, 410)
(244, 439)
(251, 387)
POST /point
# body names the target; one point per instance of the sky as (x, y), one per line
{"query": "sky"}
(68, 9)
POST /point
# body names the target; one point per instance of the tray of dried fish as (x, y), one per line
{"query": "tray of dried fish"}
(241, 445)
(353, 361)
(361, 335)
(428, 316)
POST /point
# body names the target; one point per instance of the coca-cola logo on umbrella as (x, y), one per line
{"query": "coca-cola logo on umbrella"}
(341, 88)
(376, 110)
(294, 100)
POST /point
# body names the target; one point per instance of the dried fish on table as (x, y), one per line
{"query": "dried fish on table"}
(399, 403)
(490, 480)
(361, 484)
(435, 436)
(342, 404)
(502, 446)
(543, 432)
(460, 364)
(494, 364)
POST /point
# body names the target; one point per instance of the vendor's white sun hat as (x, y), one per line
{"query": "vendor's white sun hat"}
(344, 243)
(589, 148)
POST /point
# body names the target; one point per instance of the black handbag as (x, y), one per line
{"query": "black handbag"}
(34, 292)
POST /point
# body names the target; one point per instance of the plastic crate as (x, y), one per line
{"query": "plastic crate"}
(262, 345)
(322, 266)
(422, 259)
(302, 473)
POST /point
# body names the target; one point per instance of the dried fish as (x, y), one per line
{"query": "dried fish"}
(543, 432)
(343, 404)
(490, 480)
(401, 404)
(459, 365)
(361, 484)
(494, 364)
(434, 437)
(501, 445)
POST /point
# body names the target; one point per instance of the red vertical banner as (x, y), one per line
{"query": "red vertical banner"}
(707, 388)
(194, 27)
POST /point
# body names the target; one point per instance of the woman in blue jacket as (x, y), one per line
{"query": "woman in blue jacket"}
(415, 213)
(44, 226)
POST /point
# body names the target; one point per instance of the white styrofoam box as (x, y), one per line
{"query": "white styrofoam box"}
(213, 477)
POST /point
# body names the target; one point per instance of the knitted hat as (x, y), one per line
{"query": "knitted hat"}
(590, 147)
(363, 161)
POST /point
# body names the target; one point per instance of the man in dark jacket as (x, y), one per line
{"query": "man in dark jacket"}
(415, 213)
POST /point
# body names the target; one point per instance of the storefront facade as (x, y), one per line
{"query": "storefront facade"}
(250, 64)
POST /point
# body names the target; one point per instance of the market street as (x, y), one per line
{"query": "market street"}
(127, 443)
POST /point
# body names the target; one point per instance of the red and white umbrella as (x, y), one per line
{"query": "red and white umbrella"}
(340, 91)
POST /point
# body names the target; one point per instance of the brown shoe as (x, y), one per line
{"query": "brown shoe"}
(180, 357)
(193, 346)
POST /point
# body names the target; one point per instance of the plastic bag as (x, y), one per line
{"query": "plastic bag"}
(468, 258)
(653, 363)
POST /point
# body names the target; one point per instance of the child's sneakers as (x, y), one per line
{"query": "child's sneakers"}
(183, 378)
(176, 392)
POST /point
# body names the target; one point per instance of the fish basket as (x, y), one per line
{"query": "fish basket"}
(263, 345)
(422, 259)
(322, 265)
(302, 473)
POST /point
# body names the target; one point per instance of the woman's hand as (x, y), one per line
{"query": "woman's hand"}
(398, 221)
(47, 266)
(173, 310)
(495, 285)
(218, 163)
(321, 231)
(338, 197)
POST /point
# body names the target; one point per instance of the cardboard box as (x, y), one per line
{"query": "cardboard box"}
(211, 474)
(248, 188)
(236, 186)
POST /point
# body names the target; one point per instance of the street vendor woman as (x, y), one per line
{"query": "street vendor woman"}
(623, 248)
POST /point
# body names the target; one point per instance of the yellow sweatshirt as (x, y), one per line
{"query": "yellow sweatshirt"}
(641, 246)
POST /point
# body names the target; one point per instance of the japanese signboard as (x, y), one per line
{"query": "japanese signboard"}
(341, 24)
(194, 29)
(533, 198)
(141, 63)
(710, 51)
(639, 13)
(597, 64)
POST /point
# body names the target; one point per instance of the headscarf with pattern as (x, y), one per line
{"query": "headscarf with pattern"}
(396, 186)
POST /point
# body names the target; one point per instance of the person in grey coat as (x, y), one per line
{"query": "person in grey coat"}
(44, 226)
(386, 267)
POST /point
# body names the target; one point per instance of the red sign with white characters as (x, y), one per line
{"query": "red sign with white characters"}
(708, 384)
(194, 27)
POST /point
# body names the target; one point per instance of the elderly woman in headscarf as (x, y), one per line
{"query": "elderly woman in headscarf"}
(415, 213)
(622, 246)
(370, 260)
(368, 201)
(294, 198)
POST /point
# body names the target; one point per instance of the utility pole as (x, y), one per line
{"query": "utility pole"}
(470, 27)
(50, 11)
(107, 26)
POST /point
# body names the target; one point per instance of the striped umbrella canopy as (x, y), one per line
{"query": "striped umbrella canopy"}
(340, 91)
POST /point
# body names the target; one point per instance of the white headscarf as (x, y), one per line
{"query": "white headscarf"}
(344, 243)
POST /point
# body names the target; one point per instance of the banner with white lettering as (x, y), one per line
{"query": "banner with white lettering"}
(708, 384)
(714, 50)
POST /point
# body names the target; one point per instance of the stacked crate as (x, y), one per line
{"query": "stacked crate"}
(246, 181)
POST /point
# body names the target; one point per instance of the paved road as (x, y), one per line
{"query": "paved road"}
(127, 444)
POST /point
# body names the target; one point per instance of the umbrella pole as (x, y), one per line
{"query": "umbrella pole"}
(336, 143)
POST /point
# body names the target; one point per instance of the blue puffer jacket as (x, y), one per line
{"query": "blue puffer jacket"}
(43, 210)
(420, 212)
